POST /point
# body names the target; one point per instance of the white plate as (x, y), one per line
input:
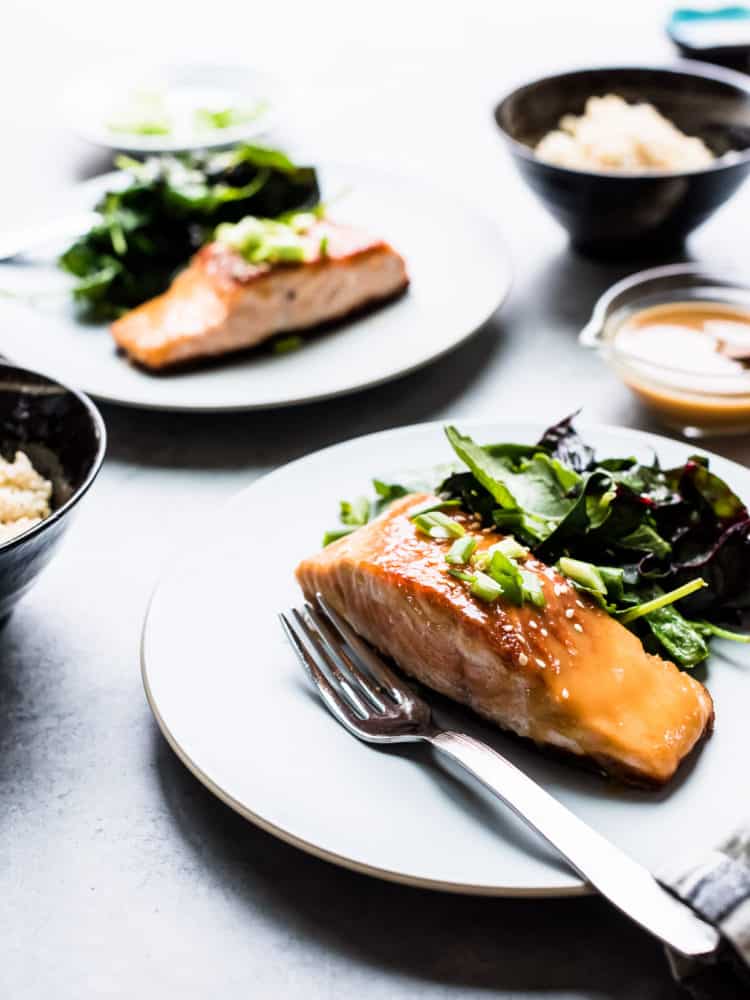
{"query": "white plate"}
(235, 706)
(107, 96)
(459, 275)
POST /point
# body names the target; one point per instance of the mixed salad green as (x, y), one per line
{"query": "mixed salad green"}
(666, 551)
(172, 205)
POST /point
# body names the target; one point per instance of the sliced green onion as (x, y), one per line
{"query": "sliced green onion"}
(323, 247)
(276, 252)
(582, 572)
(428, 527)
(485, 588)
(451, 526)
(333, 536)
(222, 118)
(661, 601)
(438, 525)
(481, 560)
(141, 128)
(263, 241)
(506, 572)
(355, 512)
(461, 575)
(510, 547)
(146, 114)
(461, 550)
(431, 505)
(532, 589)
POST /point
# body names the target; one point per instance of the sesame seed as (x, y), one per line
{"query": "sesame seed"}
(544, 631)
(487, 531)
(532, 623)
(564, 693)
(557, 589)
(540, 663)
(580, 604)
(569, 612)
(523, 659)
(508, 628)
(577, 627)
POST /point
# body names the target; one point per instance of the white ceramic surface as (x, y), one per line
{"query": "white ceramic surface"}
(459, 275)
(234, 704)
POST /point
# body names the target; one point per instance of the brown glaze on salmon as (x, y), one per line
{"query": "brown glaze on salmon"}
(220, 303)
(567, 675)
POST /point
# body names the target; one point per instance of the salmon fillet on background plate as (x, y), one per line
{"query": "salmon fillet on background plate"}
(566, 675)
(222, 303)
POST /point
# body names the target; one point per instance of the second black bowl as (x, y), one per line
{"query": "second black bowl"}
(63, 434)
(634, 215)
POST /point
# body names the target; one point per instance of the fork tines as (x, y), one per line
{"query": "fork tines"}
(354, 682)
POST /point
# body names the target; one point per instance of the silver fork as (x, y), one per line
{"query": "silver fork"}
(376, 706)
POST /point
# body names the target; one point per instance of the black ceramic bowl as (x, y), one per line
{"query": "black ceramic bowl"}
(617, 214)
(63, 434)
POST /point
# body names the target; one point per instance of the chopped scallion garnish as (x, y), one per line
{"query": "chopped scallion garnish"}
(222, 118)
(462, 575)
(532, 589)
(461, 550)
(335, 534)
(510, 547)
(431, 505)
(481, 560)
(268, 241)
(481, 585)
(505, 571)
(438, 525)
(355, 512)
(485, 588)
(582, 572)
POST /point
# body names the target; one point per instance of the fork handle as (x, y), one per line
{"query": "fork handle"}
(625, 883)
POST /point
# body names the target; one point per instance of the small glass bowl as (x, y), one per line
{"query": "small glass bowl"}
(698, 405)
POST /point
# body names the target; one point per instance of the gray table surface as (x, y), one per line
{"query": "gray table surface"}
(120, 876)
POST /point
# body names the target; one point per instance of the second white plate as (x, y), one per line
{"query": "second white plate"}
(459, 275)
(235, 705)
(101, 105)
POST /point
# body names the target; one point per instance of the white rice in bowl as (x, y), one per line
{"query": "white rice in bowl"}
(614, 135)
(25, 496)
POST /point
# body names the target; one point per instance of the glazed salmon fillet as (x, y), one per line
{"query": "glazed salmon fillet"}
(221, 303)
(566, 676)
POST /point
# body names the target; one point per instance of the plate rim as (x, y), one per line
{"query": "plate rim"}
(467, 208)
(172, 563)
(340, 860)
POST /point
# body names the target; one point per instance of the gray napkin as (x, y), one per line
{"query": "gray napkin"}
(717, 887)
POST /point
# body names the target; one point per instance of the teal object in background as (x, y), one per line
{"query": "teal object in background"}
(718, 35)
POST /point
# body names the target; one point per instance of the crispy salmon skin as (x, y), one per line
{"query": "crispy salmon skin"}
(566, 675)
(220, 303)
